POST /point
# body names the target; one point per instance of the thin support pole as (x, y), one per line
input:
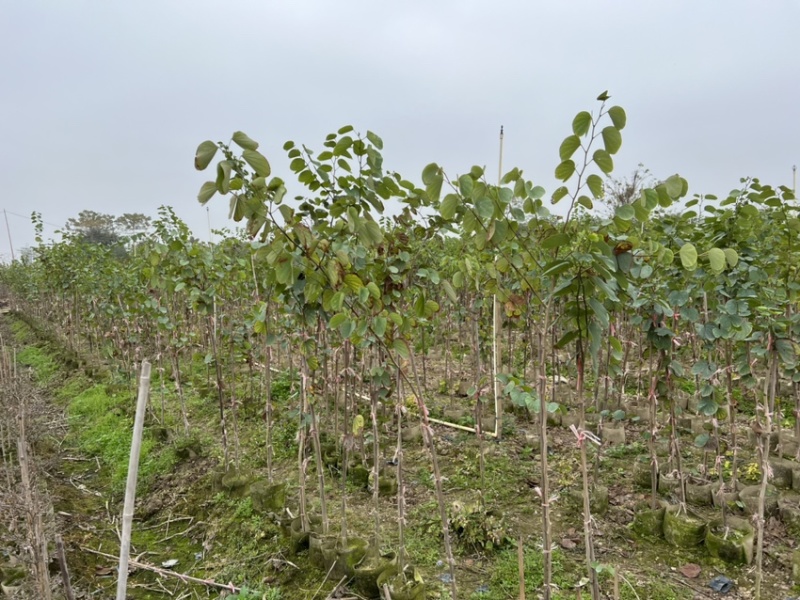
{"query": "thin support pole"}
(130, 488)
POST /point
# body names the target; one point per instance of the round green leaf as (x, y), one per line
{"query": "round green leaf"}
(258, 162)
(559, 239)
(565, 170)
(379, 326)
(244, 142)
(569, 146)
(612, 139)
(603, 161)
(731, 257)
(337, 320)
(625, 212)
(595, 184)
(618, 117)
(716, 259)
(449, 205)
(204, 155)
(207, 190)
(688, 254)
(674, 185)
(559, 194)
(581, 123)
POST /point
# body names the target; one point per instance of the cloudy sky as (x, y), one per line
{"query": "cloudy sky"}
(104, 102)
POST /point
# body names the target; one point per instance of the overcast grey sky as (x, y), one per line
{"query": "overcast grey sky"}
(104, 102)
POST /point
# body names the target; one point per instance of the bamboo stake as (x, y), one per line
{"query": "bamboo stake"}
(130, 488)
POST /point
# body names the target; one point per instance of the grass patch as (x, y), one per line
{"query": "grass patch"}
(101, 427)
(40, 362)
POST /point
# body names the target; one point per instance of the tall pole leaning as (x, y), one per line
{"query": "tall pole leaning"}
(130, 488)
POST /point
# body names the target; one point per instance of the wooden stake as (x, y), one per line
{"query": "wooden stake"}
(130, 488)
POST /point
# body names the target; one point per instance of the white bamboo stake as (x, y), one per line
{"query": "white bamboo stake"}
(130, 488)
(496, 325)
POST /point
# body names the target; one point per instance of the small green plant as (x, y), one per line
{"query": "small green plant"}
(751, 471)
(478, 529)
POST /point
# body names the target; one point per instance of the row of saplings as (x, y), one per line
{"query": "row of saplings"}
(725, 535)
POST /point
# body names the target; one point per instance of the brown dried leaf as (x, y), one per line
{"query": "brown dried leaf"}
(690, 570)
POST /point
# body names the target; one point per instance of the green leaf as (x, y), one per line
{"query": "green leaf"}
(716, 259)
(565, 170)
(625, 212)
(599, 311)
(603, 161)
(595, 184)
(585, 202)
(379, 326)
(375, 140)
(204, 155)
(674, 184)
(353, 282)
(258, 162)
(559, 194)
(358, 425)
(612, 139)
(237, 207)
(569, 146)
(374, 232)
(465, 185)
(559, 239)
(374, 290)
(431, 308)
(401, 347)
(451, 293)
(618, 117)
(785, 350)
(223, 176)
(244, 142)
(449, 205)
(701, 440)
(432, 178)
(347, 328)
(602, 98)
(337, 320)
(555, 268)
(731, 257)
(581, 123)
(484, 207)
(207, 190)
(688, 254)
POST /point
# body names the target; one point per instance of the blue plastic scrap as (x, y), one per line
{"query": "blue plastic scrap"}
(721, 584)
